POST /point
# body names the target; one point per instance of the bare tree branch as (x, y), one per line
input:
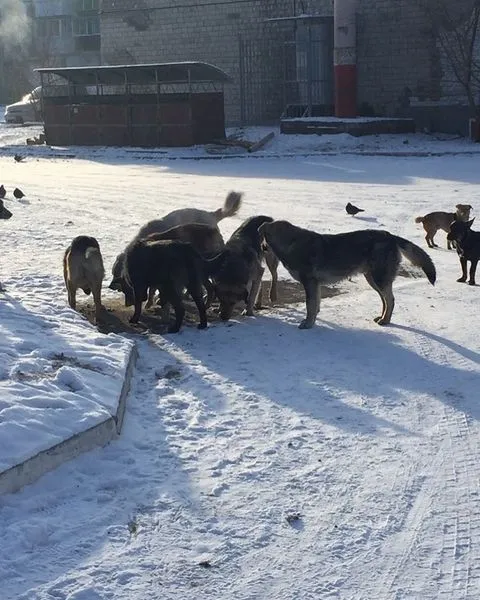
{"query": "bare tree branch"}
(456, 29)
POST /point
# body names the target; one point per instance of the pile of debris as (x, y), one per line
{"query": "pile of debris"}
(235, 143)
(38, 140)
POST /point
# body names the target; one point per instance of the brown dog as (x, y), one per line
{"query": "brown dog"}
(83, 268)
(442, 220)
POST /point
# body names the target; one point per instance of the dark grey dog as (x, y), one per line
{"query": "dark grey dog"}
(237, 273)
(314, 259)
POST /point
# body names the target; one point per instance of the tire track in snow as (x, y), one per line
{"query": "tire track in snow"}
(444, 518)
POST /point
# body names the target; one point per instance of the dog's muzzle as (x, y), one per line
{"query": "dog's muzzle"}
(116, 284)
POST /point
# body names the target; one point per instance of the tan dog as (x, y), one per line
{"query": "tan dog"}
(442, 220)
(83, 268)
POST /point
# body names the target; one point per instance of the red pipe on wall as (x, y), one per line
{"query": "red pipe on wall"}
(345, 58)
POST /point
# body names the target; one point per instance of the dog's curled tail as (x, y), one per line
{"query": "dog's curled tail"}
(418, 258)
(230, 207)
(419, 219)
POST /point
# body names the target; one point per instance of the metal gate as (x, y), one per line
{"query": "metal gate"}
(291, 78)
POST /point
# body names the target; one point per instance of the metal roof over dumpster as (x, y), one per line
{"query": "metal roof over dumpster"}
(149, 105)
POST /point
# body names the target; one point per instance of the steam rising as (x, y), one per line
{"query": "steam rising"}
(14, 23)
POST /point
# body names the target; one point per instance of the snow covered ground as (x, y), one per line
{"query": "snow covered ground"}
(57, 377)
(257, 461)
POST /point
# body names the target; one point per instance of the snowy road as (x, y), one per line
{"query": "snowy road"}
(258, 461)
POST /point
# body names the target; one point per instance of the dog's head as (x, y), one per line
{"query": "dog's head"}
(463, 211)
(229, 295)
(4, 212)
(231, 274)
(117, 269)
(458, 230)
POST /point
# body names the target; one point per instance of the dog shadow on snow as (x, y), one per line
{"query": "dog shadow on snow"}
(316, 372)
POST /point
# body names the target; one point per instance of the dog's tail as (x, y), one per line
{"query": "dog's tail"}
(94, 258)
(418, 257)
(230, 207)
(419, 219)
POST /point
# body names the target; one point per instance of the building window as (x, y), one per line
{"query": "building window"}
(87, 5)
(50, 27)
(86, 26)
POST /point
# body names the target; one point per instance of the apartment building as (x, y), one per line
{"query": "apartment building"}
(65, 32)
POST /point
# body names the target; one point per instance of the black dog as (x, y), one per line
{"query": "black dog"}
(169, 266)
(468, 247)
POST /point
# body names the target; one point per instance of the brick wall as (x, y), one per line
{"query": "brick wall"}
(397, 55)
(183, 30)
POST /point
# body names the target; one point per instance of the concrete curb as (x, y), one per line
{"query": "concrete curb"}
(25, 473)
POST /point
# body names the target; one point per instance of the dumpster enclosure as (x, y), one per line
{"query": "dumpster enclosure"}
(149, 105)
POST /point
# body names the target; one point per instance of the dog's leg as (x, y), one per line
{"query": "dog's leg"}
(175, 298)
(272, 264)
(196, 293)
(151, 297)
(463, 264)
(388, 300)
(139, 295)
(473, 269)
(72, 295)
(97, 299)
(255, 292)
(313, 297)
(210, 292)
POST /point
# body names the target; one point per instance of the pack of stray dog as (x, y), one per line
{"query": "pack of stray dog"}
(185, 252)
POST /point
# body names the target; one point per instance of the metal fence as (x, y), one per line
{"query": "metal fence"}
(292, 78)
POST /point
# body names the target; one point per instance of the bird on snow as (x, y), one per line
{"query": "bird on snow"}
(17, 192)
(18, 158)
(3, 191)
(352, 209)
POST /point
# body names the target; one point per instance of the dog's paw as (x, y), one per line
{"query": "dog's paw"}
(381, 321)
(133, 320)
(305, 324)
(248, 313)
(173, 329)
(462, 280)
(202, 326)
(472, 283)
